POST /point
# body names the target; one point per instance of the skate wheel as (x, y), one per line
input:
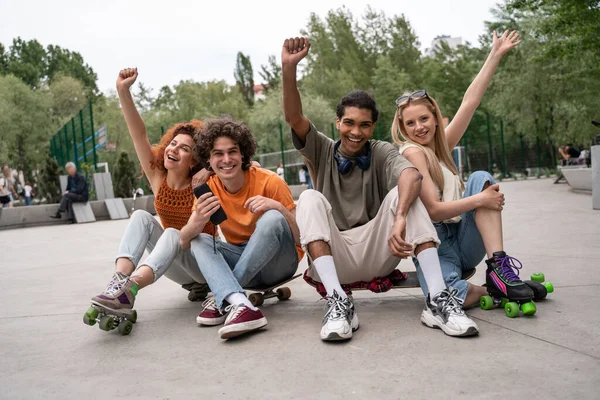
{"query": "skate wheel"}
(132, 317)
(503, 302)
(125, 327)
(107, 323)
(284, 293)
(549, 287)
(511, 309)
(528, 308)
(256, 299)
(538, 277)
(486, 302)
(89, 318)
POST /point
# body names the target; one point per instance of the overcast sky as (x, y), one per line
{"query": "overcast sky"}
(183, 39)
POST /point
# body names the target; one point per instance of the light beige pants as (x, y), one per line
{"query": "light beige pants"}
(362, 253)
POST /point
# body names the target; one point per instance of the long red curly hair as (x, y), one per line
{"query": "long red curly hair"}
(158, 149)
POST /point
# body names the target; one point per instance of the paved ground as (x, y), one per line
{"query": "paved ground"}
(46, 352)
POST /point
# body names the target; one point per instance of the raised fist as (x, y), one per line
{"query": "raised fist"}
(127, 78)
(294, 50)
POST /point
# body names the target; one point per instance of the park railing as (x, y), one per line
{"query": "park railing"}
(77, 140)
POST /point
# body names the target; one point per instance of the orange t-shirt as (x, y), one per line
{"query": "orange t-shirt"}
(241, 223)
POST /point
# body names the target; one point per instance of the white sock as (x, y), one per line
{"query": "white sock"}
(240, 298)
(326, 270)
(432, 270)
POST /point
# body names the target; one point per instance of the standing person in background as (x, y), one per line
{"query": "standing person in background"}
(28, 193)
(302, 176)
(7, 183)
(308, 178)
(280, 171)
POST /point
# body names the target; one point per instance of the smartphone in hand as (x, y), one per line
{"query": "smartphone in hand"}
(219, 216)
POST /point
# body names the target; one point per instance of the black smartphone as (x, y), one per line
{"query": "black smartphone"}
(219, 216)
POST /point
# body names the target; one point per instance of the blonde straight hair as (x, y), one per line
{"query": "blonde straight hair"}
(441, 153)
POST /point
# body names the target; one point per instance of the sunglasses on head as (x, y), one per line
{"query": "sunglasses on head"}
(419, 94)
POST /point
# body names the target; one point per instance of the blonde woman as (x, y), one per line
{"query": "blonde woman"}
(468, 219)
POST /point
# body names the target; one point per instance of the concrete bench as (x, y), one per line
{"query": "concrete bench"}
(39, 215)
(578, 177)
(83, 213)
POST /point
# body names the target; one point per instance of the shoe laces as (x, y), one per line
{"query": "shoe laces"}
(116, 284)
(338, 307)
(209, 304)
(449, 301)
(234, 310)
(507, 266)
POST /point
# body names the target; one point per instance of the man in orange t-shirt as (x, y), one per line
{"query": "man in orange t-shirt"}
(263, 241)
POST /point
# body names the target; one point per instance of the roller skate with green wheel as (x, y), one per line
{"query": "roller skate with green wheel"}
(113, 309)
(504, 287)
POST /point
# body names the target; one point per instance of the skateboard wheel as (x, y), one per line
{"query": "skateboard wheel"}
(284, 293)
(511, 309)
(528, 308)
(107, 323)
(125, 327)
(486, 302)
(538, 277)
(549, 287)
(89, 318)
(256, 299)
(132, 317)
(503, 301)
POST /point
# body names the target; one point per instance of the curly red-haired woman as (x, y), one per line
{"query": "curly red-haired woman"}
(169, 166)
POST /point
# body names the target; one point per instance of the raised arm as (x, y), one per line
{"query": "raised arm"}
(476, 90)
(293, 51)
(135, 124)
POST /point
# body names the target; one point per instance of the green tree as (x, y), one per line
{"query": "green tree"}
(49, 181)
(244, 77)
(124, 178)
(25, 123)
(68, 96)
(271, 74)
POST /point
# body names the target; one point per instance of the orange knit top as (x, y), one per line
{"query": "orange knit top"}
(174, 207)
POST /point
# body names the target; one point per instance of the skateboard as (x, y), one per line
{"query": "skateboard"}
(262, 293)
(513, 309)
(109, 319)
(411, 281)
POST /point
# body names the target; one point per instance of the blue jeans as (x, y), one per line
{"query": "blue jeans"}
(461, 247)
(269, 257)
(28, 200)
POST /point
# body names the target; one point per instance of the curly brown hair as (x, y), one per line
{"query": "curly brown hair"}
(158, 150)
(215, 128)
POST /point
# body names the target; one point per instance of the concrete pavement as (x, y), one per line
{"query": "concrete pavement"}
(46, 352)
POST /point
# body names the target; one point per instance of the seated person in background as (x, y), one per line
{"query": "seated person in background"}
(569, 154)
(77, 192)
(262, 246)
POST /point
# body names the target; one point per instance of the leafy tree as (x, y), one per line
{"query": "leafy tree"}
(271, 74)
(68, 96)
(244, 77)
(49, 181)
(124, 176)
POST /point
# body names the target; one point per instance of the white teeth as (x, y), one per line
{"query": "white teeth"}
(170, 157)
(354, 140)
(227, 168)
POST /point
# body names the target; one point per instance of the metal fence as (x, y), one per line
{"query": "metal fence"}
(77, 140)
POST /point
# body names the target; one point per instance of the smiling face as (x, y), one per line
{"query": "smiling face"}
(226, 159)
(356, 127)
(178, 154)
(419, 124)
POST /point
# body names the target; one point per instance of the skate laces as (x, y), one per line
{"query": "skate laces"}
(449, 301)
(508, 268)
(116, 284)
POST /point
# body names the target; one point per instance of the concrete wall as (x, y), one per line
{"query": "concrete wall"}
(39, 215)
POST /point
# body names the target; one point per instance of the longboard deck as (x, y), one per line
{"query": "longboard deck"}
(268, 288)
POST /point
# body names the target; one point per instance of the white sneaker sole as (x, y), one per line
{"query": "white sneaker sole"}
(230, 331)
(210, 321)
(337, 336)
(432, 322)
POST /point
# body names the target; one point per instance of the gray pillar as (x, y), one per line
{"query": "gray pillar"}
(596, 177)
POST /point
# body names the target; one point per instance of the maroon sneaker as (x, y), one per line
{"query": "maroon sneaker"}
(241, 319)
(210, 315)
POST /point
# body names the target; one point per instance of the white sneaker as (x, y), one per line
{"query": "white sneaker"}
(445, 312)
(340, 320)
